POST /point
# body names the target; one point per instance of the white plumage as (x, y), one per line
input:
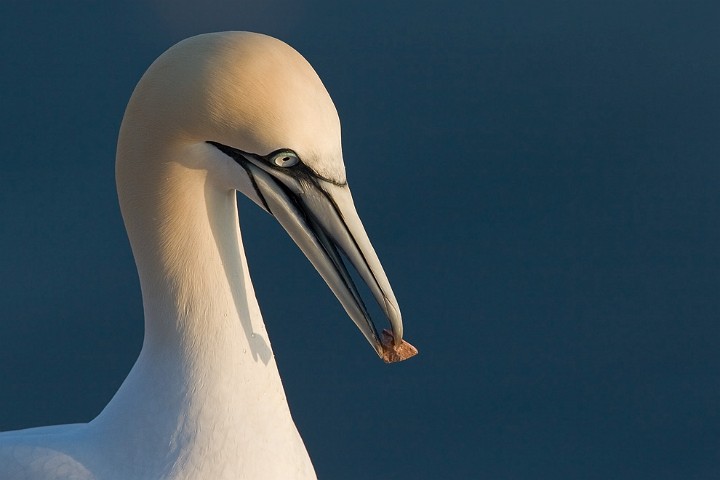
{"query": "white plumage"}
(215, 114)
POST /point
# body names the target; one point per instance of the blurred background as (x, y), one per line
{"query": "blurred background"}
(539, 178)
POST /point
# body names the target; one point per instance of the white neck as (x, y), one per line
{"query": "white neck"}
(205, 391)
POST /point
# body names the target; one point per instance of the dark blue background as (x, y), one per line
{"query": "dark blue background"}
(540, 179)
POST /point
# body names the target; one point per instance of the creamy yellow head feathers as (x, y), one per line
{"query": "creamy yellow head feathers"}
(245, 90)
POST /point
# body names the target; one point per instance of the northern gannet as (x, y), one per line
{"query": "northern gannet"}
(216, 114)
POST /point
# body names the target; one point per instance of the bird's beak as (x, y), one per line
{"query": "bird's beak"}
(321, 218)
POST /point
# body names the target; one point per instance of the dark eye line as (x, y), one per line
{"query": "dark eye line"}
(300, 168)
(277, 152)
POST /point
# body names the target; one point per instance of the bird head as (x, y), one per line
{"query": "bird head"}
(252, 112)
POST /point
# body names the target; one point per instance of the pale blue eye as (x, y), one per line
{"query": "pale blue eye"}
(285, 159)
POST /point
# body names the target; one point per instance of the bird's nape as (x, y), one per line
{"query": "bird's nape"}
(204, 399)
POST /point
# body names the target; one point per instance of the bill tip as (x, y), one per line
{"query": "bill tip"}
(392, 353)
